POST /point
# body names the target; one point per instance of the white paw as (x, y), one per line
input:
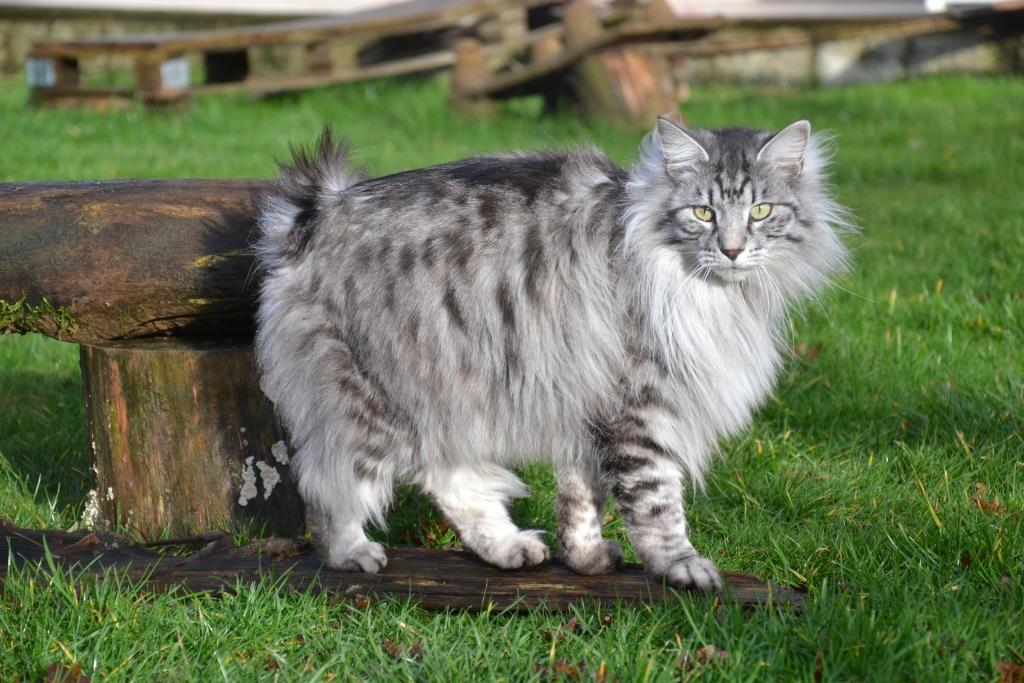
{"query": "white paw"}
(367, 556)
(524, 549)
(599, 559)
(694, 572)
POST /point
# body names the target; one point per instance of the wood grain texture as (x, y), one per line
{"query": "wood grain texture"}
(133, 259)
(175, 428)
(435, 579)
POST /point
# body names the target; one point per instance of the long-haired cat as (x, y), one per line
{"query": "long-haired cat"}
(438, 326)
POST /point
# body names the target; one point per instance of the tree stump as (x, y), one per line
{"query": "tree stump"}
(627, 85)
(184, 441)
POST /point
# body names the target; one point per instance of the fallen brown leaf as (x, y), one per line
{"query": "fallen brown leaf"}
(559, 671)
(398, 651)
(819, 665)
(705, 655)
(1009, 672)
(991, 506)
(559, 632)
(392, 648)
(62, 673)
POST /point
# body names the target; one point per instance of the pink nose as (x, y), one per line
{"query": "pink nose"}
(732, 253)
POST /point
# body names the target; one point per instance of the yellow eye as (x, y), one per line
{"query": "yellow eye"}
(761, 211)
(703, 213)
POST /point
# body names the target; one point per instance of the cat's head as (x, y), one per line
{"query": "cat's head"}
(738, 205)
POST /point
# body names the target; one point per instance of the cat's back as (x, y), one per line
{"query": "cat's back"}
(486, 200)
(472, 240)
(486, 278)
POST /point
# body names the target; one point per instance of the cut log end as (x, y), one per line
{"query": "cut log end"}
(183, 440)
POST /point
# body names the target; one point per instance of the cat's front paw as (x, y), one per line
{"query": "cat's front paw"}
(368, 557)
(524, 549)
(602, 558)
(694, 572)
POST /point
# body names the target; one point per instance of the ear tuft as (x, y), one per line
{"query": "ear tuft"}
(681, 152)
(786, 148)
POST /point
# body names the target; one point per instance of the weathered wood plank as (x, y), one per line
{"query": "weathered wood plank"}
(436, 579)
(132, 259)
(289, 82)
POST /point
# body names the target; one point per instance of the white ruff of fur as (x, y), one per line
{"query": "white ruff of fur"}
(723, 341)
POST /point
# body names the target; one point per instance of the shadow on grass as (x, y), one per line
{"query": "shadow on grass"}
(43, 434)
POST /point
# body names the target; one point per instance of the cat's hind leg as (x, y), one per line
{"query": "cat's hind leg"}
(351, 445)
(580, 507)
(339, 504)
(474, 500)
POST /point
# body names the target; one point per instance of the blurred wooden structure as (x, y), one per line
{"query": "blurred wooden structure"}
(616, 65)
(610, 59)
(338, 49)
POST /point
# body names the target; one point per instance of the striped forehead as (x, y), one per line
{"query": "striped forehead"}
(731, 182)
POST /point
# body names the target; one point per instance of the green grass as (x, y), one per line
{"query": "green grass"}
(886, 474)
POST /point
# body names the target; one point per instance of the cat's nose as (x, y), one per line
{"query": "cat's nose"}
(731, 253)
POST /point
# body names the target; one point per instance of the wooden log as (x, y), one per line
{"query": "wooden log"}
(130, 259)
(469, 70)
(627, 85)
(184, 441)
(623, 84)
(434, 579)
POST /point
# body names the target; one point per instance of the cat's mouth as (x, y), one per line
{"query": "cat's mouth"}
(732, 273)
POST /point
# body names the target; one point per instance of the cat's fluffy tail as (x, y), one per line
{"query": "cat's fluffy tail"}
(306, 186)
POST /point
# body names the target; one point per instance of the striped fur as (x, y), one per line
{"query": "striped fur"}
(438, 326)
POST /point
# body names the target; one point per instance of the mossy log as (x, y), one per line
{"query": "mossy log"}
(183, 441)
(132, 259)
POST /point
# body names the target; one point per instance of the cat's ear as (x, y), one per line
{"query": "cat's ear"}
(681, 151)
(786, 148)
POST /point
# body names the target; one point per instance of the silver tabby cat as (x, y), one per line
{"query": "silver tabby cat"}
(439, 326)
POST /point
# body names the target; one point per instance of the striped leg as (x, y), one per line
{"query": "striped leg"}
(580, 507)
(647, 482)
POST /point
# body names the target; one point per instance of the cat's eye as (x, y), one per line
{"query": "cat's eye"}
(761, 211)
(703, 213)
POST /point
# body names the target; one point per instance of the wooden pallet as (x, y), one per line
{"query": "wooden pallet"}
(162, 67)
(434, 579)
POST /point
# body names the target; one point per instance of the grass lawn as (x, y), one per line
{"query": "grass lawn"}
(886, 474)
